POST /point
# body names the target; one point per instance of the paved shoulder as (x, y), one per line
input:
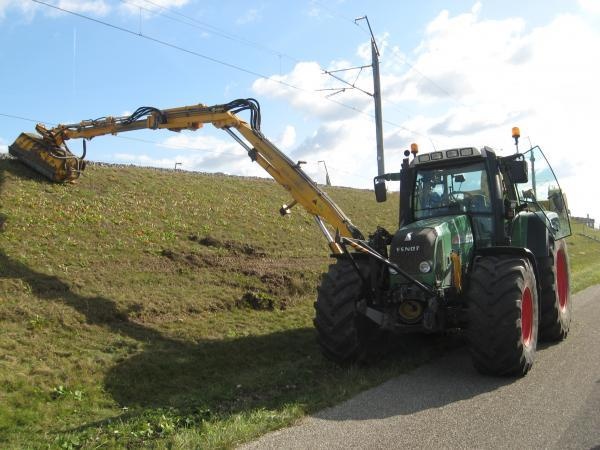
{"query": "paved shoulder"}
(447, 404)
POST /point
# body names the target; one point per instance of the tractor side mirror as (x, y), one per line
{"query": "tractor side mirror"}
(380, 190)
(517, 170)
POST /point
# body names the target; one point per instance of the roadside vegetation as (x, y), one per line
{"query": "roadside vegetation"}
(150, 309)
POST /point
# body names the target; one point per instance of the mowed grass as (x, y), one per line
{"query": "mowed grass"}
(144, 308)
(152, 309)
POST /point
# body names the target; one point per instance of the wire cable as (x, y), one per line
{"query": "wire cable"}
(231, 36)
(220, 62)
(167, 44)
(198, 24)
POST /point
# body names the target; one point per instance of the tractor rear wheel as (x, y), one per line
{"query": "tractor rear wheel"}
(503, 315)
(555, 301)
(344, 334)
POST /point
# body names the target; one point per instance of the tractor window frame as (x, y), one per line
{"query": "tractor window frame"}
(441, 182)
(543, 195)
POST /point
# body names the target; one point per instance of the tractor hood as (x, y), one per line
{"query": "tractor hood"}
(423, 248)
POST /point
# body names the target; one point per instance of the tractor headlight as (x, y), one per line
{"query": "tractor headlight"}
(425, 267)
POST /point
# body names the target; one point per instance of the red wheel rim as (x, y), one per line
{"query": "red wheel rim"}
(562, 280)
(527, 316)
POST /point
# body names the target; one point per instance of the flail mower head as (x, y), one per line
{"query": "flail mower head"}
(42, 154)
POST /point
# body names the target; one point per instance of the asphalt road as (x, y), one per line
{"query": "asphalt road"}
(446, 404)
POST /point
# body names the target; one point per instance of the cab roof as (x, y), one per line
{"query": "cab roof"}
(451, 154)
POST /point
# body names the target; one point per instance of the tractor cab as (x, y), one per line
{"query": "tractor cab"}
(454, 188)
(501, 196)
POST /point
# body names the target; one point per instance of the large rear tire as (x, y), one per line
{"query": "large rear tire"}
(344, 335)
(555, 298)
(503, 315)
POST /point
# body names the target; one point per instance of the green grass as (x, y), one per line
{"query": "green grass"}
(584, 253)
(124, 327)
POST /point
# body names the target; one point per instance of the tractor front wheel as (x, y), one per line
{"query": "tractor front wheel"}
(344, 334)
(503, 315)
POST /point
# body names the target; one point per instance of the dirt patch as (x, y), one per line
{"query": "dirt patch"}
(266, 284)
(191, 259)
(234, 247)
(258, 301)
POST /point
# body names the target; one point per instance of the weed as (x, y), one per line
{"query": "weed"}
(61, 392)
(36, 322)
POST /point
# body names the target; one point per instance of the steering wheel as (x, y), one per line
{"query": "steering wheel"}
(473, 202)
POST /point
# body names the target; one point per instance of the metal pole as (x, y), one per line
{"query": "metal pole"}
(327, 179)
(533, 183)
(377, 98)
(378, 114)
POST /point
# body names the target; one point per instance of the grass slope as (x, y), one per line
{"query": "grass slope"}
(144, 308)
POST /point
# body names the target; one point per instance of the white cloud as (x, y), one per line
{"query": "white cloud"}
(25, 7)
(469, 81)
(476, 78)
(3, 146)
(202, 143)
(251, 15)
(100, 8)
(309, 79)
(202, 152)
(347, 147)
(148, 8)
(28, 8)
(590, 6)
(287, 139)
(96, 7)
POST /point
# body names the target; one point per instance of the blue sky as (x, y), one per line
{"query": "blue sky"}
(458, 73)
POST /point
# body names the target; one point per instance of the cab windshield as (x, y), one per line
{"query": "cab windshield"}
(455, 190)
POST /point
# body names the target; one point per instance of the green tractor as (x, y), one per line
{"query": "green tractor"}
(480, 248)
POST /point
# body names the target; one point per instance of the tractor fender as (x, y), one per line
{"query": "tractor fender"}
(530, 231)
(513, 251)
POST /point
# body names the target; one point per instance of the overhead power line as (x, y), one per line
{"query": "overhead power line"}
(198, 24)
(195, 23)
(227, 35)
(404, 60)
(11, 116)
(167, 44)
(339, 15)
(231, 36)
(217, 61)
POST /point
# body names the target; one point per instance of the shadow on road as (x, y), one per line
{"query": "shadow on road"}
(448, 380)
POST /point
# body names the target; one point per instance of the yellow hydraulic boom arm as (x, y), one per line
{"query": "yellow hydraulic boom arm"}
(59, 164)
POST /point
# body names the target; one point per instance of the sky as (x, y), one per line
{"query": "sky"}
(453, 74)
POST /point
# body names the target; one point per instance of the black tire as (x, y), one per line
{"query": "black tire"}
(343, 334)
(555, 297)
(503, 315)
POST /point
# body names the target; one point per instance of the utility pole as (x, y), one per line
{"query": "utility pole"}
(376, 93)
(533, 183)
(376, 98)
(327, 180)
